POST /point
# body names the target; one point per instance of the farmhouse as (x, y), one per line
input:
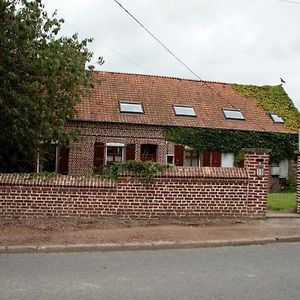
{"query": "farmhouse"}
(128, 116)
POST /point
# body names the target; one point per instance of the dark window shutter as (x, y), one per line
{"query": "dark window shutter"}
(216, 158)
(206, 158)
(130, 152)
(98, 155)
(63, 160)
(241, 164)
(179, 155)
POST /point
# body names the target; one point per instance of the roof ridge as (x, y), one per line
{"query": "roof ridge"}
(163, 76)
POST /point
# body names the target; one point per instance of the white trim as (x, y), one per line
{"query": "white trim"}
(115, 145)
(167, 159)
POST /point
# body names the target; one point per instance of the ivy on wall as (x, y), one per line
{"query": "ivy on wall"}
(273, 99)
(232, 141)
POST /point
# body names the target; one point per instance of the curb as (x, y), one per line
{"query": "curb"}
(143, 246)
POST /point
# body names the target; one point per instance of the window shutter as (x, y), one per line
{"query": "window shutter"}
(206, 158)
(130, 152)
(63, 160)
(241, 164)
(98, 155)
(179, 155)
(216, 158)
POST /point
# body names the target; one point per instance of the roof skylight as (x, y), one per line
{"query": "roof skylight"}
(184, 110)
(131, 107)
(234, 114)
(276, 118)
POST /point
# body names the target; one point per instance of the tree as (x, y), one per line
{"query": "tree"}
(42, 77)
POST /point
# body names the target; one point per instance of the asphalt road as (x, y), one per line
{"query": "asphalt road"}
(250, 272)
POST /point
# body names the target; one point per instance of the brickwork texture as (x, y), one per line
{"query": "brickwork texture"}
(179, 193)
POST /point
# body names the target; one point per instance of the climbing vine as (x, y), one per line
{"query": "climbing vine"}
(273, 99)
(144, 170)
(232, 141)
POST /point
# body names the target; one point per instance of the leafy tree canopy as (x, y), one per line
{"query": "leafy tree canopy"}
(42, 77)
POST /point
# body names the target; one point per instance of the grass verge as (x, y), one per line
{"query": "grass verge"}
(282, 201)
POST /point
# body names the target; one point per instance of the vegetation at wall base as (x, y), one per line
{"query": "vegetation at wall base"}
(43, 75)
(233, 141)
(144, 170)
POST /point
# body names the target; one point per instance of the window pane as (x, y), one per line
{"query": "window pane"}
(184, 111)
(131, 107)
(276, 118)
(233, 114)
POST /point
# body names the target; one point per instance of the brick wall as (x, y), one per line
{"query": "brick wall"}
(82, 151)
(179, 193)
(298, 182)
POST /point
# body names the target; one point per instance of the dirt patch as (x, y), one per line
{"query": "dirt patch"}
(80, 231)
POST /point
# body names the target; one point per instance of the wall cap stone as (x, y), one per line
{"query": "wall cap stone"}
(256, 150)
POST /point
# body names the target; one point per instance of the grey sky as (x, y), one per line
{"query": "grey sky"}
(242, 41)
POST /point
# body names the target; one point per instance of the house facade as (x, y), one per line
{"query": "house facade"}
(126, 115)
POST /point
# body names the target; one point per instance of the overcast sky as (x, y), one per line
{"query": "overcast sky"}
(241, 41)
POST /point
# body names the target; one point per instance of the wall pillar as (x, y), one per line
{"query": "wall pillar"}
(257, 166)
(298, 181)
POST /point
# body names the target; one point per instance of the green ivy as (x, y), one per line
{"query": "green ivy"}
(144, 170)
(232, 141)
(273, 99)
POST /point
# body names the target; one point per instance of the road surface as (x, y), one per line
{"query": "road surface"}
(250, 272)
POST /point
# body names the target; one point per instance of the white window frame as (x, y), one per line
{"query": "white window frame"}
(241, 117)
(182, 106)
(170, 155)
(276, 118)
(116, 145)
(139, 105)
(38, 164)
(187, 148)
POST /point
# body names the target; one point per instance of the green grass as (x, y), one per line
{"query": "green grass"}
(282, 201)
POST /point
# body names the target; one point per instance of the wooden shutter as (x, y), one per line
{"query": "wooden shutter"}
(98, 155)
(63, 160)
(216, 158)
(178, 155)
(206, 158)
(241, 164)
(130, 152)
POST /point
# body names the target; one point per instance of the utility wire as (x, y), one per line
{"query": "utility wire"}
(108, 47)
(179, 60)
(161, 43)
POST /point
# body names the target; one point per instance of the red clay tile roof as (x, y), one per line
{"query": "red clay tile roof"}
(158, 94)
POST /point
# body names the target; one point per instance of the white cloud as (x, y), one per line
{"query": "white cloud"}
(254, 42)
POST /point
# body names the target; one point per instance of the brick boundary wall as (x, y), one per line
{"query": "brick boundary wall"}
(298, 181)
(179, 193)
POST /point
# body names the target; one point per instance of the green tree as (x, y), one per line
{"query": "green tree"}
(42, 77)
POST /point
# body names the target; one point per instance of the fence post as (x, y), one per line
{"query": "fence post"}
(257, 166)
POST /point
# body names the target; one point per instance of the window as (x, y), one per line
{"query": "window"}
(148, 152)
(184, 110)
(55, 159)
(233, 114)
(191, 158)
(276, 118)
(49, 161)
(170, 159)
(227, 160)
(131, 107)
(114, 153)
